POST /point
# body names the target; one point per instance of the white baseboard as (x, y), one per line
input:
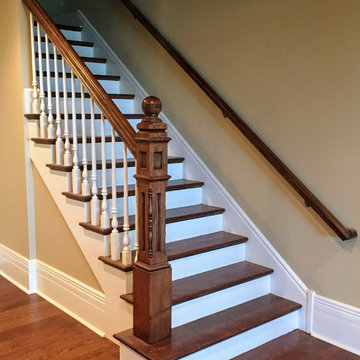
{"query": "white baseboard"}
(80, 301)
(336, 323)
(18, 269)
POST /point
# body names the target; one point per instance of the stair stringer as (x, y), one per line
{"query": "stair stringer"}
(284, 282)
(112, 281)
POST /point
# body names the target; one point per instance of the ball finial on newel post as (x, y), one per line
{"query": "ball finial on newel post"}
(151, 106)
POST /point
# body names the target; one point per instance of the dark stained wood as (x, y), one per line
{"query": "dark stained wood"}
(203, 243)
(205, 283)
(172, 215)
(68, 75)
(297, 345)
(71, 42)
(151, 272)
(119, 164)
(47, 141)
(117, 263)
(32, 328)
(69, 27)
(81, 71)
(209, 330)
(178, 184)
(311, 200)
(86, 95)
(191, 287)
(83, 58)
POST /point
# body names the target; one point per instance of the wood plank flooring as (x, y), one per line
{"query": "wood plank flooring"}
(33, 329)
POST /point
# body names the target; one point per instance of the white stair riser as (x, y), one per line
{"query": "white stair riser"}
(95, 68)
(207, 261)
(69, 34)
(81, 50)
(220, 300)
(110, 86)
(174, 199)
(251, 339)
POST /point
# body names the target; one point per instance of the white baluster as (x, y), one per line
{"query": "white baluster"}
(59, 140)
(43, 120)
(126, 252)
(76, 169)
(85, 182)
(105, 220)
(35, 102)
(67, 155)
(95, 211)
(115, 236)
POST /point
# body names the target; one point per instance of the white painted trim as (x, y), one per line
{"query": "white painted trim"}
(80, 301)
(337, 323)
(310, 311)
(17, 269)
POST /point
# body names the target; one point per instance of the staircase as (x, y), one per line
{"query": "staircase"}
(222, 303)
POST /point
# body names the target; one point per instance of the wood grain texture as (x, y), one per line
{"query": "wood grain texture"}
(310, 199)
(81, 71)
(33, 329)
(297, 345)
(209, 330)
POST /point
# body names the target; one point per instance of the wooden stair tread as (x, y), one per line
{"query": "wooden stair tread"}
(209, 330)
(68, 75)
(87, 116)
(69, 27)
(71, 42)
(47, 141)
(86, 95)
(211, 281)
(172, 185)
(172, 215)
(215, 280)
(83, 58)
(119, 164)
(297, 345)
(203, 243)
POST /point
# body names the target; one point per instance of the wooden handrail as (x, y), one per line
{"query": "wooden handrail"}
(93, 87)
(311, 200)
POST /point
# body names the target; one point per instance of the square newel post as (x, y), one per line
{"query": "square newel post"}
(152, 272)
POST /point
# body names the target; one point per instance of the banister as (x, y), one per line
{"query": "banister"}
(310, 199)
(93, 87)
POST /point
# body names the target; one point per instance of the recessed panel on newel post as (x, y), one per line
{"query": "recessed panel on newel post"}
(152, 272)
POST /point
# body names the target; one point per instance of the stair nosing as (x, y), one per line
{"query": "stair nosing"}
(83, 58)
(68, 76)
(71, 42)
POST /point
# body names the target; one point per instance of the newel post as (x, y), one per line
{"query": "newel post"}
(152, 272)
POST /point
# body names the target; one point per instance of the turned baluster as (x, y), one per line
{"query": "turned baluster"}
(126, 251)
(43, 120)
(35, 102)
(59, 140)
(152, 272)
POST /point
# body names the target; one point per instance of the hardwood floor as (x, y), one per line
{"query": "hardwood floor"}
(33, 329)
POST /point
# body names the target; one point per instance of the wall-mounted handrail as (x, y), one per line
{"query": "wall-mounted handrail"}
(311, 200)
(93, 87)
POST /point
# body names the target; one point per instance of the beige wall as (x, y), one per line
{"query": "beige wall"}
(291, 70)
(13, 211)
(55, 244)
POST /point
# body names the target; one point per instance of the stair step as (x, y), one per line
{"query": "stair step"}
(119, 164)
(172, 215)
(297, 345)
(211, 281)
(172, 185)
(72, 42)
(69, 27)
(83, 58)
(203, 243)
(68, 75)
(87, 116)
(204, 332)
(86, 95)
(47, 141)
